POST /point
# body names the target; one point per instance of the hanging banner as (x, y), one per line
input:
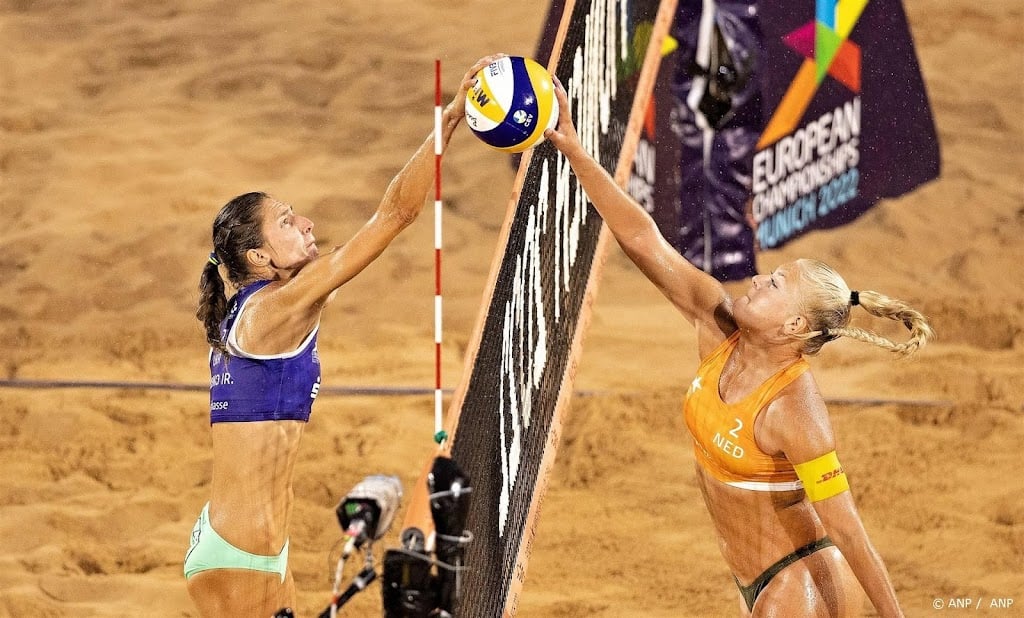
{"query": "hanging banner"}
(847, 116)
(714, 123)
(820, 112)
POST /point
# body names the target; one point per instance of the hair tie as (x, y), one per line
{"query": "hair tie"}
(213, 258)
(854, 298)
(824, 332)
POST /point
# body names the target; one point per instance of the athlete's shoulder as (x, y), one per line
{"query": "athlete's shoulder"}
(797, 418)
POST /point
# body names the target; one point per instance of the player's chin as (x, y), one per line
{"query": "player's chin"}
(311, 255)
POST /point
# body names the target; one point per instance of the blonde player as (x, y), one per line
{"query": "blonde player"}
(766, 454)
(265, 374)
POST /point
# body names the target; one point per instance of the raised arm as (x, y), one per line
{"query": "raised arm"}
(697, 295)
(285, 312)
(402, 202)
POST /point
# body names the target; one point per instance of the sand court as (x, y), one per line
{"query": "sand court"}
(125, 126)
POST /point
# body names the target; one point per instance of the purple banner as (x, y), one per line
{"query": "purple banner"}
(847, 120)
(770, 120)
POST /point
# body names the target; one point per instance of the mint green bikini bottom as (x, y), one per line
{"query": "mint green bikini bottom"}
(208, 550)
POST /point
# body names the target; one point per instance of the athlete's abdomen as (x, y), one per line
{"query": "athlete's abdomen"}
(251, 495)
(757, 528)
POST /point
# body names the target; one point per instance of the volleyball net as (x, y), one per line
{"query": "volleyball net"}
(505, 418)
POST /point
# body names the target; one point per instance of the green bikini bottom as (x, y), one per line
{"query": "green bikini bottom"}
(751, 592)
(208, 550)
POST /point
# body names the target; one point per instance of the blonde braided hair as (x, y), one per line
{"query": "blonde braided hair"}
(828, 301)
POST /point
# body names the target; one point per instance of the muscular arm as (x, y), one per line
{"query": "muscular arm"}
(283, 314)
(839, 516)
(402, 202)
(797, 424)
(697, 295)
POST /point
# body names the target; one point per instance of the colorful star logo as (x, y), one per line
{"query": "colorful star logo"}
(826, 49)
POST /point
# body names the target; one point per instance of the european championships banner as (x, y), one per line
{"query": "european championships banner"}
(844, 122)
(847, 116)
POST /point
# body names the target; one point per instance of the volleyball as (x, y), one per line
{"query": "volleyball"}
(511, 104)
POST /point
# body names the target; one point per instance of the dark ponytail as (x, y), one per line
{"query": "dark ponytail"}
(236, 229)
(213, 304)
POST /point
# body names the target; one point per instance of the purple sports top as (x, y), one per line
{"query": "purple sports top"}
(251, 387)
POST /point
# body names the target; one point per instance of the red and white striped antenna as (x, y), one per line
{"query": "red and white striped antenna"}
(439, 434)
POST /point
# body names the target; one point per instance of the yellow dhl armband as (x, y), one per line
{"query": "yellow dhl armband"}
(822, 477)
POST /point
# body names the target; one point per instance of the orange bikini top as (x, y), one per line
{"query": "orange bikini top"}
(723, 433)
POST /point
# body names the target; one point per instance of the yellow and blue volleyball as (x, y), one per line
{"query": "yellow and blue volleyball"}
(511, 104)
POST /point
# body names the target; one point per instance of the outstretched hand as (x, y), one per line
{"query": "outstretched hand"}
(456, 109)
(563, 136)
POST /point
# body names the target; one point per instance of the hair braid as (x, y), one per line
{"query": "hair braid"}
(827, 305)
(213, 305)
(236, 229)
(882, 306)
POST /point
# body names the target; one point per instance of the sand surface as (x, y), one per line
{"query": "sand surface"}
(125, 125)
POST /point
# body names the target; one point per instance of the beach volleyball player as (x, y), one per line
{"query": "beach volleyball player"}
(765, 450)
(265, 373)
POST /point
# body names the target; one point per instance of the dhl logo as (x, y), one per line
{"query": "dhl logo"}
(828, 476)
